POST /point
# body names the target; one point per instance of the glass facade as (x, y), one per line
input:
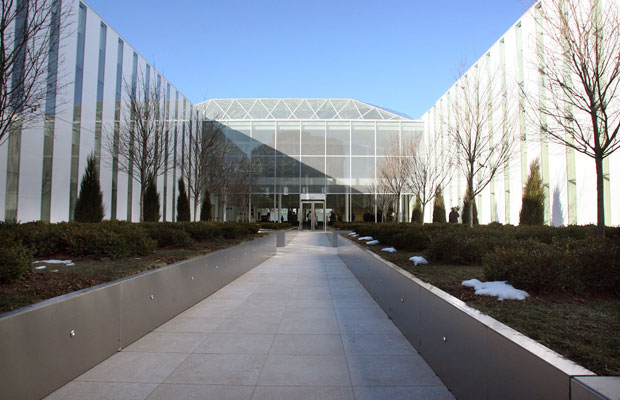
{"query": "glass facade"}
(321, 152)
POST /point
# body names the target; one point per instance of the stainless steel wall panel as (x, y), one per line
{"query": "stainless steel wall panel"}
(47, 345)
(595, 388)
(39, 353)
(473, 354)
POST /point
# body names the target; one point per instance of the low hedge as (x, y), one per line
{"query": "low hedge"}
(582, 267)
(275, 225)
(115, 238)
(15, 260)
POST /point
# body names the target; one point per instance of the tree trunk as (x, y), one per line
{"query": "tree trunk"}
(600, 198)
(471, 205)
(141, 203)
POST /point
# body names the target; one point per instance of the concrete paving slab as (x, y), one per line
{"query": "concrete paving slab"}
(299, 326)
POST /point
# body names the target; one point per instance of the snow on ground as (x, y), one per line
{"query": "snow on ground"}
(389, 249)
(373, 242)
(365, 238)
(41, 267)
(499, 289)
(66, 262)
(352, 234)
(418, 260)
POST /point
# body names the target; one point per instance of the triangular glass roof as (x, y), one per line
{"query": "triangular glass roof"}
(261, 109)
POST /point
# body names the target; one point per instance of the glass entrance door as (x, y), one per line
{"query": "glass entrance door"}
(312, 215)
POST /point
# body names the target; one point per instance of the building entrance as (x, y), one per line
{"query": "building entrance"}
(312, 212)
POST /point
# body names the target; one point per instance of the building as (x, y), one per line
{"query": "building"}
(320, 153)
(511, 67)
(311, 150)
(41, 165)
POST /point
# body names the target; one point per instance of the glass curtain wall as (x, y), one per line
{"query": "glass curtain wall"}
(293, 157)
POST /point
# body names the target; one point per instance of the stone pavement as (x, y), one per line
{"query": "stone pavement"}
(299, 326)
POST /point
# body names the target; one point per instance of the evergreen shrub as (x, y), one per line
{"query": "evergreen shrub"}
(533, 200)
(89, 204)
(150, 206)
(183, 213)
(439, 208)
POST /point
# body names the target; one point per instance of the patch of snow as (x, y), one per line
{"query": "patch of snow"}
(352, 234)
(389, 249)
(418, 260)
(373, 242)
(499, 289)
(365, 238)
(66, 262)
(54, 270)
(41, 267)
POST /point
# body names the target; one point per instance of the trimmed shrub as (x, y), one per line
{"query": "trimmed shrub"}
(89, 204)
(113, 239)
(183, 213)
(439, 208)
(42, 239)
(168, 235)
(590, 266)
(205, 208)
(150, 206)
(15, 260)
(275, 225)
(533, 200)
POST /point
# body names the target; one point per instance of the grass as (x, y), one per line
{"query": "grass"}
(58, 279)
(585, 330)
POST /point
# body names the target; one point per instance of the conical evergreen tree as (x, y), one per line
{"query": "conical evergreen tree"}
(182, 203)
(151, 202)
(89, 204)
(465, 214)
(439, 208)
(416, 215)
(533, 200)
(205, 208)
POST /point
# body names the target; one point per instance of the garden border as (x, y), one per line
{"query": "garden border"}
(475, 355)
(46, 345)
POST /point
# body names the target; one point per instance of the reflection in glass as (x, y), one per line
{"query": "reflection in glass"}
(362, 208)
(313, 138)
(313, 174)
(288, 138)
(338, 138)
(337, 172)
(363, 138)
(238, 135)
(264, 138)
(362, 174)
(264, 168)
(337, 208)
(287, 174)
(387, 135)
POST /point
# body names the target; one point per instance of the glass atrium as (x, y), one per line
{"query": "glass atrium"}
(311, 148)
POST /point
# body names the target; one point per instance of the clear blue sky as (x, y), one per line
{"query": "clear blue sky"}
(401, 55)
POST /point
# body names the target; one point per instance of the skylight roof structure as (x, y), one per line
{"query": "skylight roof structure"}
(295, 109)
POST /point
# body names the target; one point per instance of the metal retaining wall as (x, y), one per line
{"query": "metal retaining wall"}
(48, 344)
(475, 356)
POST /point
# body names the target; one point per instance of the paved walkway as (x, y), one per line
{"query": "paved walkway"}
(299, 326)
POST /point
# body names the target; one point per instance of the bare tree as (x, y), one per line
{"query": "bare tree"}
(383, 198)
(206, 151)
(430, 171)
(394, 170)
(30, 33)
(480, 151)
(579, 67)
(142, 147)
